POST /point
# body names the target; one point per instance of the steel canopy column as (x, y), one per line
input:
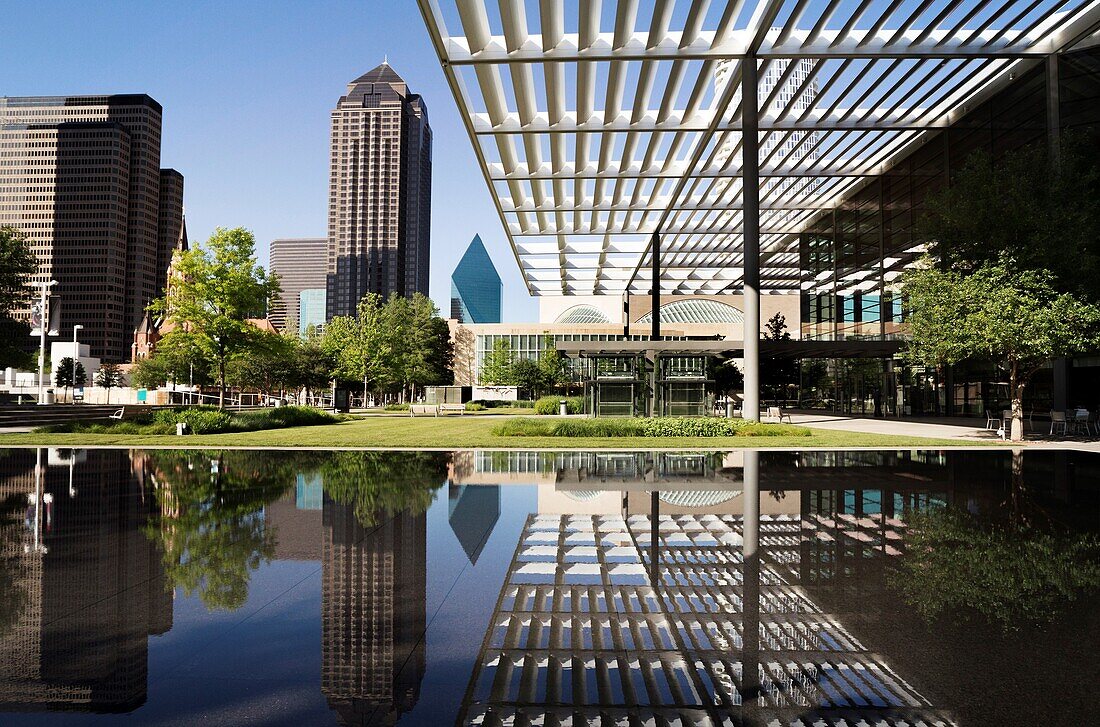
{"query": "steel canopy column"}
(750, 149)
(655, 326)
(655, 291)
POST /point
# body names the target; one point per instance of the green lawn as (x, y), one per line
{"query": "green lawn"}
(462, 432)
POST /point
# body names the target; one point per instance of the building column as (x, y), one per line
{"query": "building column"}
(750, 178)
(655, 290)
(1054, 115)
(750, 654)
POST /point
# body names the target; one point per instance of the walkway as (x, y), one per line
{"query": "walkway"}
(940, 428)
(964, 430)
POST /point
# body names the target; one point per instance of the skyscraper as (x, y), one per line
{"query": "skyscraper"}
(82, 179)
(301, 264)
(379, 219)
(475, 287)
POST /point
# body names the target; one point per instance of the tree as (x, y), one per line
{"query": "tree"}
(219, 286)
(267, 365)
(358, 344)
(496, 367)
(17, 264)
(777, 374)
(555, 369)
(1043, 214)
(727, 378)
(528, 376)
(65, 372)
(108, 377)
(1015, 318)
(311, 366)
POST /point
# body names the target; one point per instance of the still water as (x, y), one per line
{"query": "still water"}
(538, 588)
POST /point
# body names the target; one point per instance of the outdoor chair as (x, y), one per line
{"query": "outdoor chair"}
(1058, 420)
(1005, 430)
(991, 421)
(1081, 421)
(119, 414)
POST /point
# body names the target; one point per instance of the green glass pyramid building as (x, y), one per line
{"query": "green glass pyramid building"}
(476, 290)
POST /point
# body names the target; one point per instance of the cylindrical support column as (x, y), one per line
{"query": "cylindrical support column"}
(1054, 111)
(750, 657)
(655, 291)
(750, 147)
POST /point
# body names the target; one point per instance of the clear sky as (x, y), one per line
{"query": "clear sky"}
(247, 87)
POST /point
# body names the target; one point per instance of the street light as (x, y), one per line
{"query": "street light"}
(76, 358)
(44, 316)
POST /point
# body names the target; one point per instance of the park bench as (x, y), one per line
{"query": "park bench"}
(415, 409)
(452, 408)
(774, 412)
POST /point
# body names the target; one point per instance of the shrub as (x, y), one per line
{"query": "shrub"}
(475, 406)
(199, 419)
(281, 417)
(395, 407)
(655, 427)
(549, 404)
(502, 404)
(524, 427)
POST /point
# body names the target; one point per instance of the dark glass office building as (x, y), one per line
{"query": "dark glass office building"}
(475, 287)
(852, 256)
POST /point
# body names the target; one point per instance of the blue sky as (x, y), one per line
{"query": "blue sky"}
(247, 87)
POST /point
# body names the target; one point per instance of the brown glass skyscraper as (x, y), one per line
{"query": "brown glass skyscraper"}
(379, 219)
(81, 177)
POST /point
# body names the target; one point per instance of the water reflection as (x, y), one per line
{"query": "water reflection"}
(665, 588)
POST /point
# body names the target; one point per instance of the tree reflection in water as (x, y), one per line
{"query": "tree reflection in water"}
(383, 484)
(13, 595)
(211, 522)
(1013, 574)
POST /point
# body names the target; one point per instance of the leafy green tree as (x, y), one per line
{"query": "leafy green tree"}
(1044, 215)
(108, 377)
(359, 345)
(311, 366)
(529, 377)
(267, 365)
(17, 264)
(211, 525)
(1017, 319)
(556, 373)
(430, 356)
(218, 288)
(496, 367)
(726, 378)
(778, 375)
(65, 372)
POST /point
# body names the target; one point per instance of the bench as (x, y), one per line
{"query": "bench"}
(774, 412)
(452, 408)
(119, 414)
(415, 409)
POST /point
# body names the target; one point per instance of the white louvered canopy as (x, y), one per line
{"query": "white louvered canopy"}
(599, 123)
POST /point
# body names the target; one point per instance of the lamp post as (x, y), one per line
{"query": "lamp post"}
(44, 315)
(76, 358)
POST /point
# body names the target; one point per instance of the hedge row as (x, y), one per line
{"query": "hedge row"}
(655, 427)
(205, 420)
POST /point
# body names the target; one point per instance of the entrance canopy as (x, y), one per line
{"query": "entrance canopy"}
(599, 124)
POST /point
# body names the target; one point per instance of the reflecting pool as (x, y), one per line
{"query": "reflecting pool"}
(549, 588)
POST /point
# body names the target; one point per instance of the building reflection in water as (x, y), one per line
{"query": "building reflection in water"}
(373, 614)
(664, 588)
(83, 587)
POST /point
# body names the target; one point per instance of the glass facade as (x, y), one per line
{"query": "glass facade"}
(852, 257)
(311, 309)
(530, 346)
(475, 287)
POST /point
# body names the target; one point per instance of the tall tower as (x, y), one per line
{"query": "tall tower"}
(81, 178)
(379, 221)
(475, 286)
